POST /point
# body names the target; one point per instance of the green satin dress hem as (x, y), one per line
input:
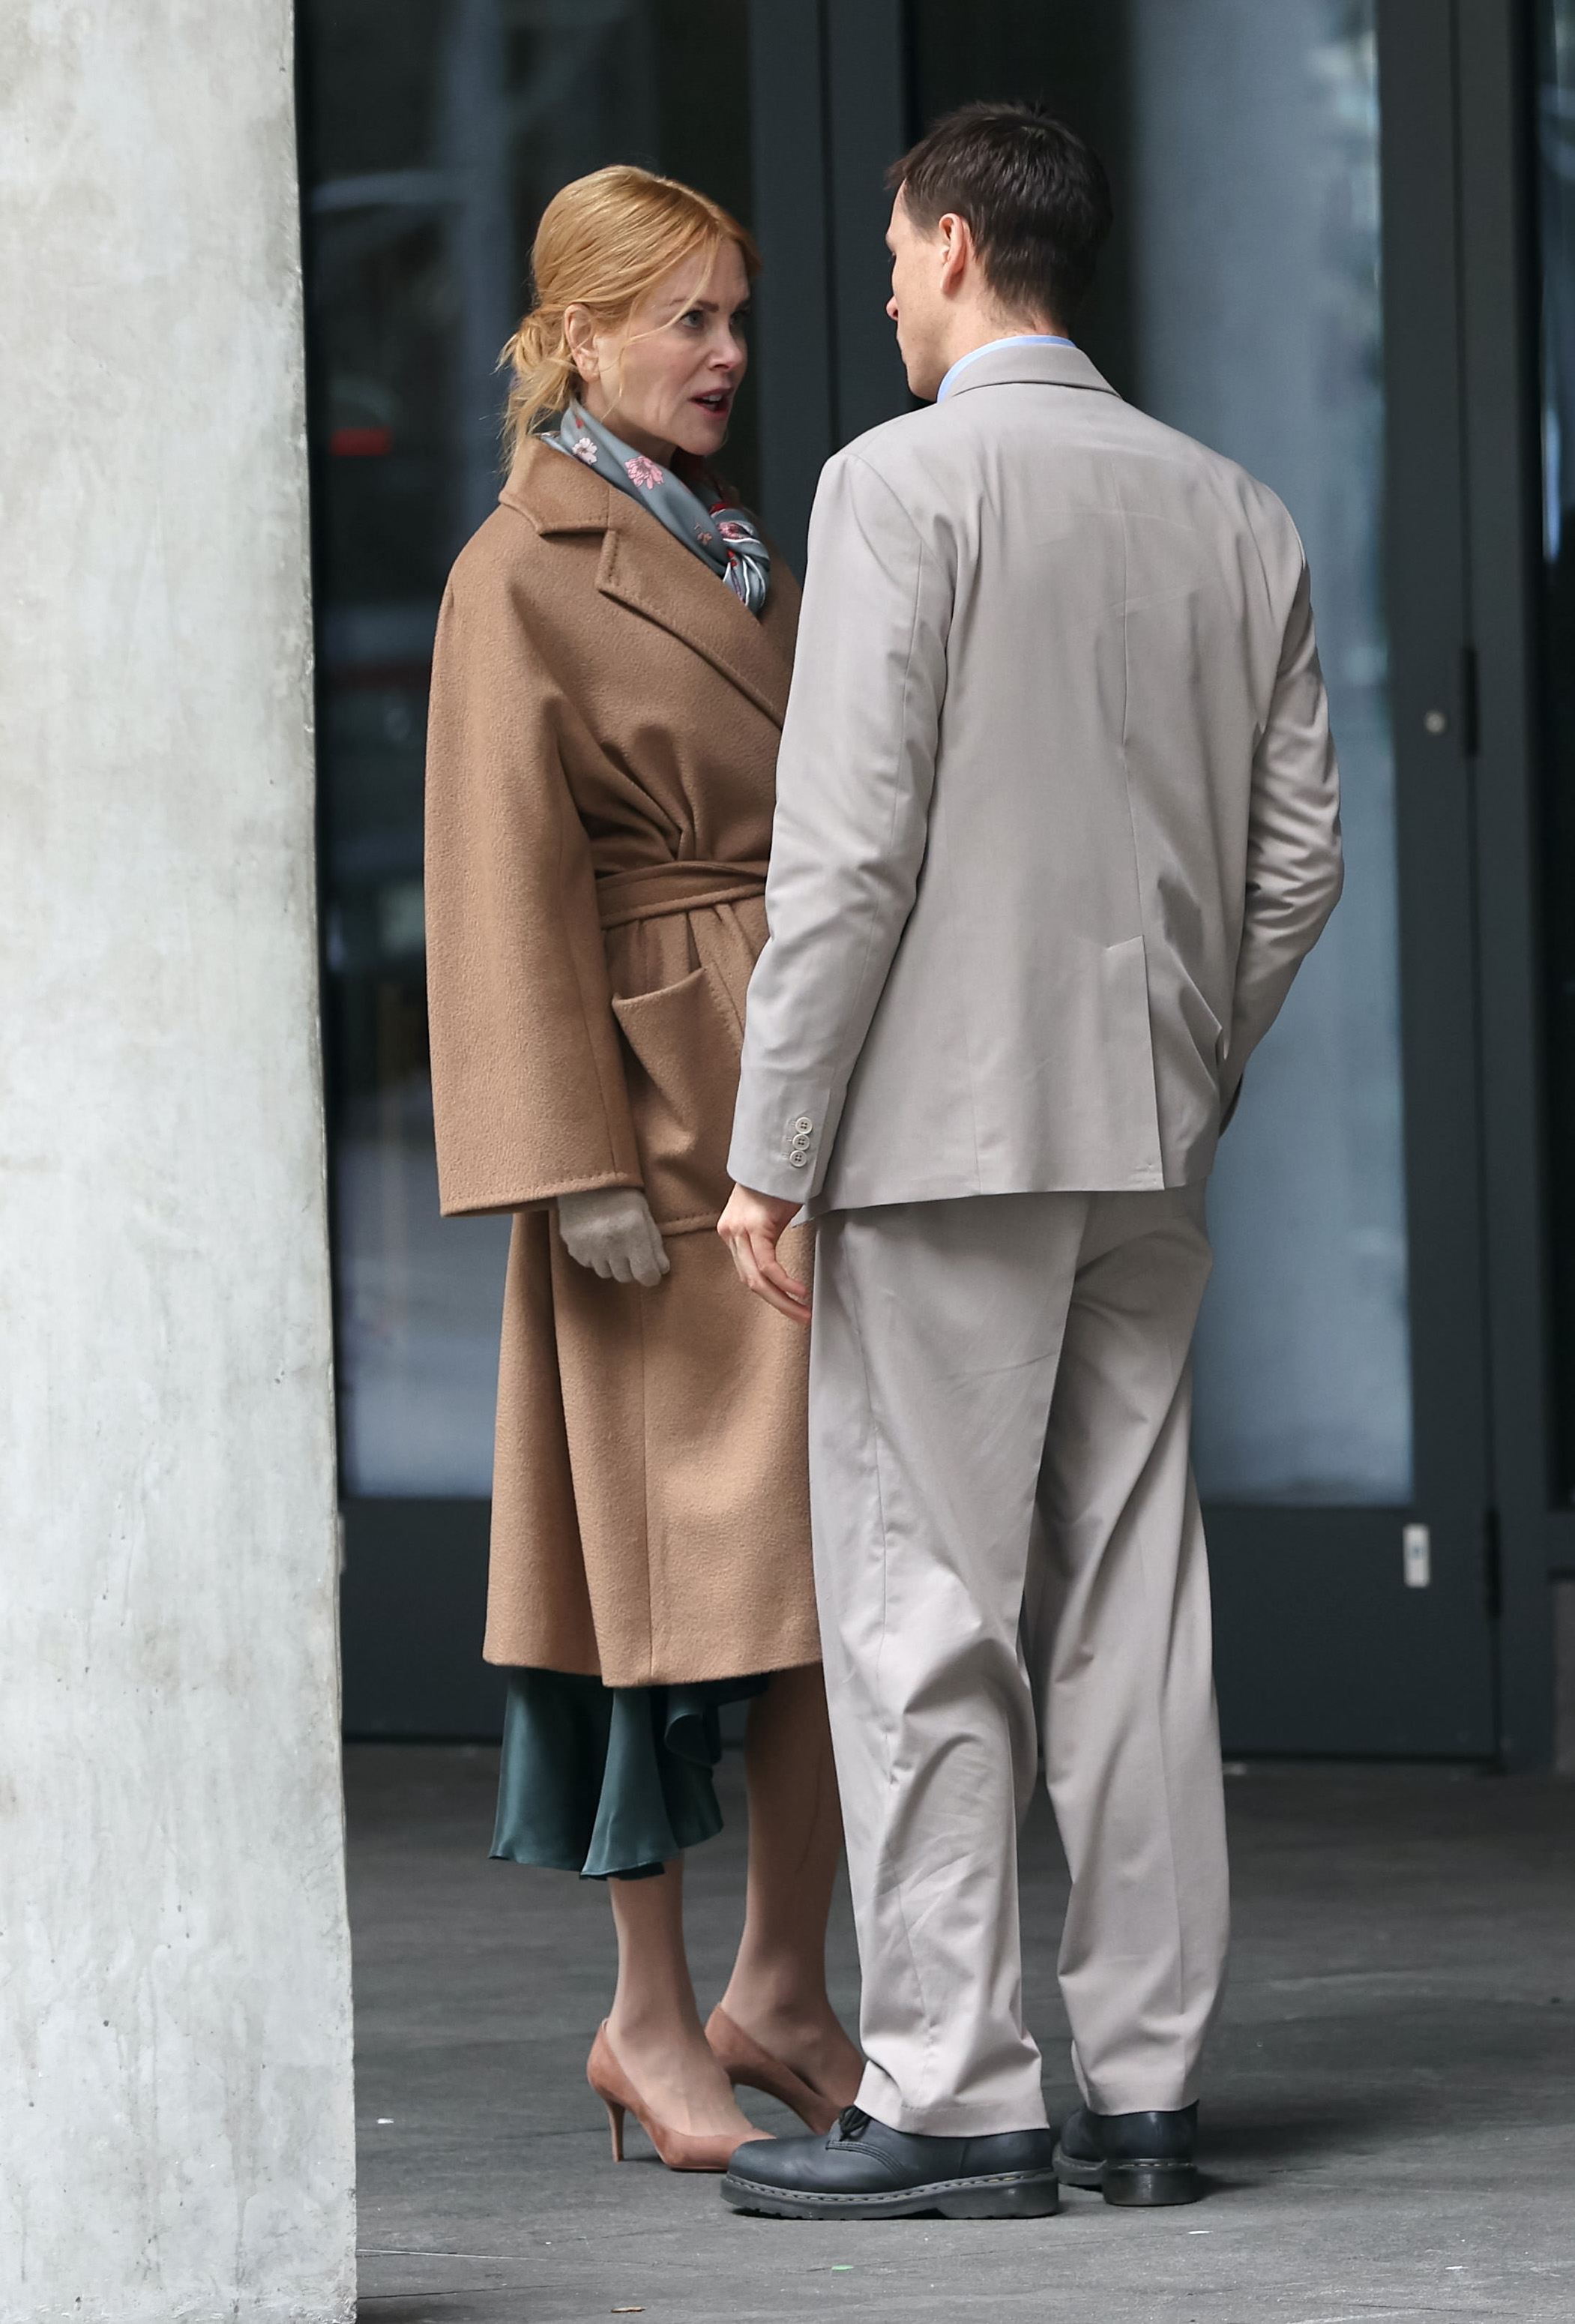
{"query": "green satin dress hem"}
(609, 1781)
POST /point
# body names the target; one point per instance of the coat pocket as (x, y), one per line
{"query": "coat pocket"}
(681, 1059)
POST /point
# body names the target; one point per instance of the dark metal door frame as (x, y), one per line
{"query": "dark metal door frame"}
(1500, 467)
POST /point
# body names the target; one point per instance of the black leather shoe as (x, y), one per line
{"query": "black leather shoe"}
(862, 2171)
(1131, 2158)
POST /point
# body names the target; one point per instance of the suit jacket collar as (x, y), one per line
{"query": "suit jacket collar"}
(643, 568)
(1008, 365)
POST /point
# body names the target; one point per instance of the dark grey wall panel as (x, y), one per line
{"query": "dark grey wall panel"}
(829, 112)
(413, 1600)
(1320, 1649)
(794, 354)
(867, 126)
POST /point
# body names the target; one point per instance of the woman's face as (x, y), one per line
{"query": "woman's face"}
(666, 379)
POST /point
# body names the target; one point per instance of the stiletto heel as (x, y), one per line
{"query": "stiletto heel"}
(742, 2060)
(680, 2150)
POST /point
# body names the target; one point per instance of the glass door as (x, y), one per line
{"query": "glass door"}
(1259, 327)
(1282, 289)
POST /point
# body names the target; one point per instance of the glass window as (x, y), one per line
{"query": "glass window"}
(434, 133)
(1556, 152)
(1242, 304)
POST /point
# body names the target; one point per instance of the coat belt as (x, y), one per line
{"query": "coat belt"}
(655, 891)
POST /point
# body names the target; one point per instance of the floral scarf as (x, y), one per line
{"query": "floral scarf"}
(726, 538)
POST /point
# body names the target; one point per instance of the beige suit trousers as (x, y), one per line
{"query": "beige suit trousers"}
(1010, 1566)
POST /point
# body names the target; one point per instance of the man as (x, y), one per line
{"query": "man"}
(1057, 823)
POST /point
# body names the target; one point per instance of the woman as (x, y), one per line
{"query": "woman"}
(612, 669)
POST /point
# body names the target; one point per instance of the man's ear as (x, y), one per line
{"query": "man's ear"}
(957, 252)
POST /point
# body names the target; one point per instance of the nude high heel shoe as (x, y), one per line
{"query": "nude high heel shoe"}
(742, 2060)
(680, 2150)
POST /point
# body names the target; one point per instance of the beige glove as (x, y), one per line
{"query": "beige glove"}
(611, 1232)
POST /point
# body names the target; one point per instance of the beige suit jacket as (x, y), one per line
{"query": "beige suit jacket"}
(1057, 809)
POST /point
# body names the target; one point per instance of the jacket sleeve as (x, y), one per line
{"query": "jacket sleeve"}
(853, 783)
(528, 1084)
(1294, 868)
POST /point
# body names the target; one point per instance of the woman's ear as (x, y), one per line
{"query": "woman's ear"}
(579, 335)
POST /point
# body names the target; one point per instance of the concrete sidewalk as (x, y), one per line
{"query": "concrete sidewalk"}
(1389, 2121)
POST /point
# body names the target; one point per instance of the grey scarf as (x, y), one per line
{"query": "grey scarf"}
(728, 539)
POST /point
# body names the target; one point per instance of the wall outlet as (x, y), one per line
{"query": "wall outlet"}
(1416, 1550)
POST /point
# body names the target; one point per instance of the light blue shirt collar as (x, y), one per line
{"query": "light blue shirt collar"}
(1017, 339)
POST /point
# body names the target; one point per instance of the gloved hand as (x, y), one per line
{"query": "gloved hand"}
(611, 1232)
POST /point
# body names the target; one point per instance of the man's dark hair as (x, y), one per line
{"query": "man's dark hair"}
(1035, 197)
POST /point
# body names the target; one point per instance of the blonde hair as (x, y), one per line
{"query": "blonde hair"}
(603, 242)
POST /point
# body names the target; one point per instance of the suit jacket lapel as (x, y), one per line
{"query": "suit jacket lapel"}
(644, 568)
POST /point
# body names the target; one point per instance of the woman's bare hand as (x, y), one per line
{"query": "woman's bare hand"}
(752, 1227)
(611, 1232)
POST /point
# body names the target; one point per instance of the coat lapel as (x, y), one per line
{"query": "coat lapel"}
(645, 570)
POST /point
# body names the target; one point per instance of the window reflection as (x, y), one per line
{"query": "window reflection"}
(1259, 327)
(434, 133)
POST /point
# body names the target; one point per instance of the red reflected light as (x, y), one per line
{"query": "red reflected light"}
(361, 443)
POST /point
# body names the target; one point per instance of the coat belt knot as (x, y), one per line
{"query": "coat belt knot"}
(655, 891)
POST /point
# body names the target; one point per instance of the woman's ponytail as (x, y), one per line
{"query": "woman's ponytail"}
(543, 373)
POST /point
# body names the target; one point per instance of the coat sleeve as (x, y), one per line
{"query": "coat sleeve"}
(853, 783)
(1294, 868)
(528, 1083)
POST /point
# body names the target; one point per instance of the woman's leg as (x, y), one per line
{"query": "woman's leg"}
(777, 1992)
(654, 2026)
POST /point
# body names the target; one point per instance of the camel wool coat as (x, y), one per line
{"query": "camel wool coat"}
(600, 782)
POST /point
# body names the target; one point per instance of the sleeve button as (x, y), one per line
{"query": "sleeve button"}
(798, 1160)
(803, 1123)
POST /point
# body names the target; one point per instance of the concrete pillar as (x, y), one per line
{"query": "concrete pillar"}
(175, 2094)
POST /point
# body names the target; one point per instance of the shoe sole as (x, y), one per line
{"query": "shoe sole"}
(1011, 2195)
(1138, 2185)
